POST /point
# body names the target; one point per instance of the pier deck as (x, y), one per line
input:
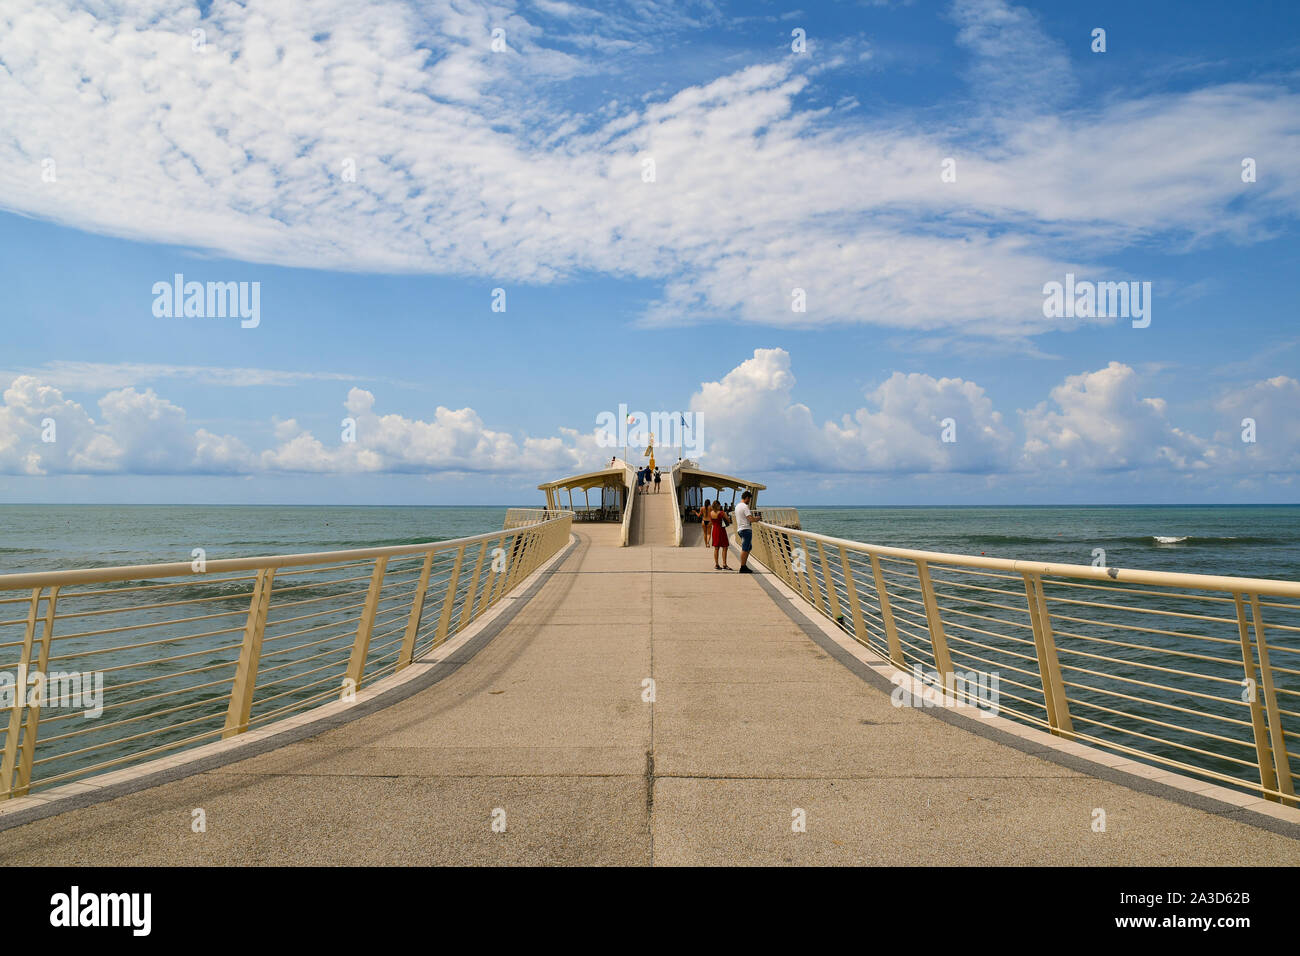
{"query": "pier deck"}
(751, 719)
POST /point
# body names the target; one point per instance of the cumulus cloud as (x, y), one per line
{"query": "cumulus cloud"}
(1098, 421)
(750, 422)
(754, 423)
(455, 440)
(41, 432)
(140, 432)
(1261, 428)
(470, 162)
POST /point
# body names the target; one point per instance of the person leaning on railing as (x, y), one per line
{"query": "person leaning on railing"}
(744, 531)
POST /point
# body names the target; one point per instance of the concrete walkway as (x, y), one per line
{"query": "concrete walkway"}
(550, 724)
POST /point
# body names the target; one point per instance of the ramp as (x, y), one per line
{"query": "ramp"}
(652, 518)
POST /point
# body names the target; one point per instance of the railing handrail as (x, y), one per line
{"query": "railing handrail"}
(1208, 582)
(135, 572)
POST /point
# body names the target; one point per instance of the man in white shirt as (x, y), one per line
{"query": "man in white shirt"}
(744, 532)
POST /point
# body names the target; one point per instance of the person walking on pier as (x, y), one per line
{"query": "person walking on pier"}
(745, 532)
(720, 540)
(706, 524)
(656, 481)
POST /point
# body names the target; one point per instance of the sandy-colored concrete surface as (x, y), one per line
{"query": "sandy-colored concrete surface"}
(652, 518)
(551, 729)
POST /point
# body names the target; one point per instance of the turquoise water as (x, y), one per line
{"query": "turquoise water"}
(1252, 541)
(59, 537)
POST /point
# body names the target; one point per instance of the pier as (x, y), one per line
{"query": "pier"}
(627, 704)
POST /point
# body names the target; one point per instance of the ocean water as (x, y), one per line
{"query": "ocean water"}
(1250, 541)
(59, 537)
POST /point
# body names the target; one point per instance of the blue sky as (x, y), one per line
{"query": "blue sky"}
(135, 149)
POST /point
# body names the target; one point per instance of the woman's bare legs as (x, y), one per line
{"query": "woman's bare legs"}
(724, 559)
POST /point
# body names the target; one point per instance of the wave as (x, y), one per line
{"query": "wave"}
(1212, 541)
(1145, 540)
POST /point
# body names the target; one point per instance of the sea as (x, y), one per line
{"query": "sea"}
(1244, 540)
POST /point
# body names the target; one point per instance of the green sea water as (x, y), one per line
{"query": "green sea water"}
(1248, 540)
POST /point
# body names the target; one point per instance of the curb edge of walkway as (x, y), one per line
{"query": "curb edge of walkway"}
(420, 675)
(876, 671)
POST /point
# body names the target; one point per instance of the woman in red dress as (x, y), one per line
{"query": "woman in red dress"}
(719, 521)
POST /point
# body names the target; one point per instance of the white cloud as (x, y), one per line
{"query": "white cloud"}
(754, 423)
(750, 423)
(139, 432)
(470, 162)
(1098, 421)
(1273, 406)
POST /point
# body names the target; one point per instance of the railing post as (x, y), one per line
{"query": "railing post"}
(887, 615)
(855, 605)
(449, 601)
(27, 752)
(526, 555)
(497, 578)
(250, 654)
(361, 646)
(787, 568)
(512, 566)
(467, 614)
(1280, 759)
(9, 761)
(1263, 754)
(769, 553)
(812, 578)
(534, 548)
(802, 576)
(1049, 667)
(938, 639)
(417, 611)
(830, 584)
(764, 546)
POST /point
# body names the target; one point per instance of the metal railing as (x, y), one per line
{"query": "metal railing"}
(1196, 673)
(108, 667)
(781, 517)
(519, 517)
